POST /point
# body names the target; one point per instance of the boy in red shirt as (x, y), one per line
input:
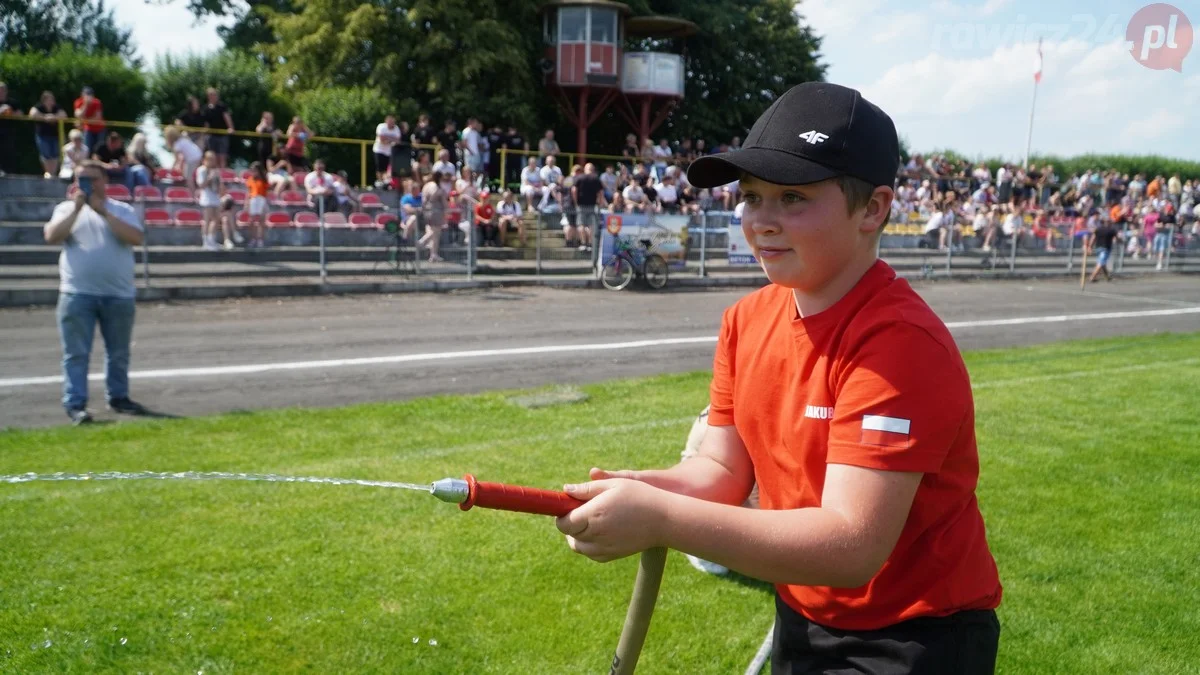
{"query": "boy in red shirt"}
(840, 393)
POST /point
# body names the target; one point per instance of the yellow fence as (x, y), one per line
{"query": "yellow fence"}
(364, 144)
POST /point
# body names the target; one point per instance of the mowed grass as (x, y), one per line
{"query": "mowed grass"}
(1089, 487)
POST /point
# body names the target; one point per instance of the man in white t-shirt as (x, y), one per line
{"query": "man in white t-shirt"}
(668, 194)
(531, 182)
(472, 150)
(635, 198)
(320, 188)
(96, 269)
(386, 136)
(551, 174)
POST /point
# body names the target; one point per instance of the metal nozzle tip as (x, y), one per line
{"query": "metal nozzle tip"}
(453, 490)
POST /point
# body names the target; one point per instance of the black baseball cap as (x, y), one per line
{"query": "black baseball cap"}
(813, 132)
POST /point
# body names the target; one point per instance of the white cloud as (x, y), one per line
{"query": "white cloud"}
(1093, 98)
(1163, 122)
(897, 27)
(836, 17)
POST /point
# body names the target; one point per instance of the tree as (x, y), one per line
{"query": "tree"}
(455, 57)
(43, 25)
(460, 58)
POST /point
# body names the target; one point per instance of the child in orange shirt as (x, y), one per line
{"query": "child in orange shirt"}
(256, 202)
(840, 393)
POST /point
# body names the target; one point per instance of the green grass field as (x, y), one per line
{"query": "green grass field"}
(1090, 455)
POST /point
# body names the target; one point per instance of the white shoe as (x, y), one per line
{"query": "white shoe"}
(211, 245)
(1158, 266)
(583, 247)
(46, 176)
(238, 238)
(707, 567)
(229, 245)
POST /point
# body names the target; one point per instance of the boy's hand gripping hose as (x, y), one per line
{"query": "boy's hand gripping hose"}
(468, 492)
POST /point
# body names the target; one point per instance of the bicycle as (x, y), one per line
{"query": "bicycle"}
(627, 259)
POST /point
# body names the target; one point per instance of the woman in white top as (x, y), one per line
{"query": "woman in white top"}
(73, 153)
(208, 194)
(187, 154)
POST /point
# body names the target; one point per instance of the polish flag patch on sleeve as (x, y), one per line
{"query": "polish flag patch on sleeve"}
(887, 432)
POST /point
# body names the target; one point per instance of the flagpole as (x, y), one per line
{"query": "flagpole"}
(1037, 79)
(1029, 137)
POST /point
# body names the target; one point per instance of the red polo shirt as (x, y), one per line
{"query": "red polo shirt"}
(875, 381)
(95, 107)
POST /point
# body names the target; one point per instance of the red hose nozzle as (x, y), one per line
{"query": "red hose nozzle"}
(469, 492)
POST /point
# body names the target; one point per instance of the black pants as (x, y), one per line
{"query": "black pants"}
(964, 643)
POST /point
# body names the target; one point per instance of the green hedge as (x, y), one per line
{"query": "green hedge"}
(65, 72)
(345, 113)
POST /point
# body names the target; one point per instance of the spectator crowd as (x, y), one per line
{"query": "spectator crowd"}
(450, 180)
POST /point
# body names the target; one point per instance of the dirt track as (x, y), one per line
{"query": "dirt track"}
(206, 335)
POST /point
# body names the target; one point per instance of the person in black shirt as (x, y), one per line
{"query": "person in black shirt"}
(448, 140)
(8, 106)
(45, 132)
(588, 192)
(1101, 241)
(424, 133)
(495, 139)
(191, 115)
(216, 116)
(513, 141)
(112, 155)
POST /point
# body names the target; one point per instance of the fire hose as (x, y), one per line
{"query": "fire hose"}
(468, 492)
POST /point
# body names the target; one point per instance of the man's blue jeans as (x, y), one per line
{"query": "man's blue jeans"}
(77, 318)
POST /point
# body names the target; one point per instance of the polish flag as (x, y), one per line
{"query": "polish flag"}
(888, 432)
(1037, 65)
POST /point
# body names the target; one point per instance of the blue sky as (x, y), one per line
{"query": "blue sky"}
(952, 73)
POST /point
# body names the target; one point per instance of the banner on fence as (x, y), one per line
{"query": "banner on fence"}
(739, 249)
(667, 235)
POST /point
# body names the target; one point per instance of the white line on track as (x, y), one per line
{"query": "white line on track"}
(1112, 296)
(250, 369)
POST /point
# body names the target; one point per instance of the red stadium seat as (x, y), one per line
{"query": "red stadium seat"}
(243, 218)
(336, 219)
(298, 178)
(369, 200)
(157, 218)
(385, 218)
(306, 219)
(291, 198)
(239, 196)
(228, 176)
(278, 219)
(147, 193)
(179, 195)
(188, 218)
(162, 174)
(118, 192)
(246, 175)
(360, 221)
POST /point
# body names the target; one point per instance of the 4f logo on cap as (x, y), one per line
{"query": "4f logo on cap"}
(814, 137)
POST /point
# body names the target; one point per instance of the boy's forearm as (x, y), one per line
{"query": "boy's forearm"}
(699, 477)
(811, 546)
